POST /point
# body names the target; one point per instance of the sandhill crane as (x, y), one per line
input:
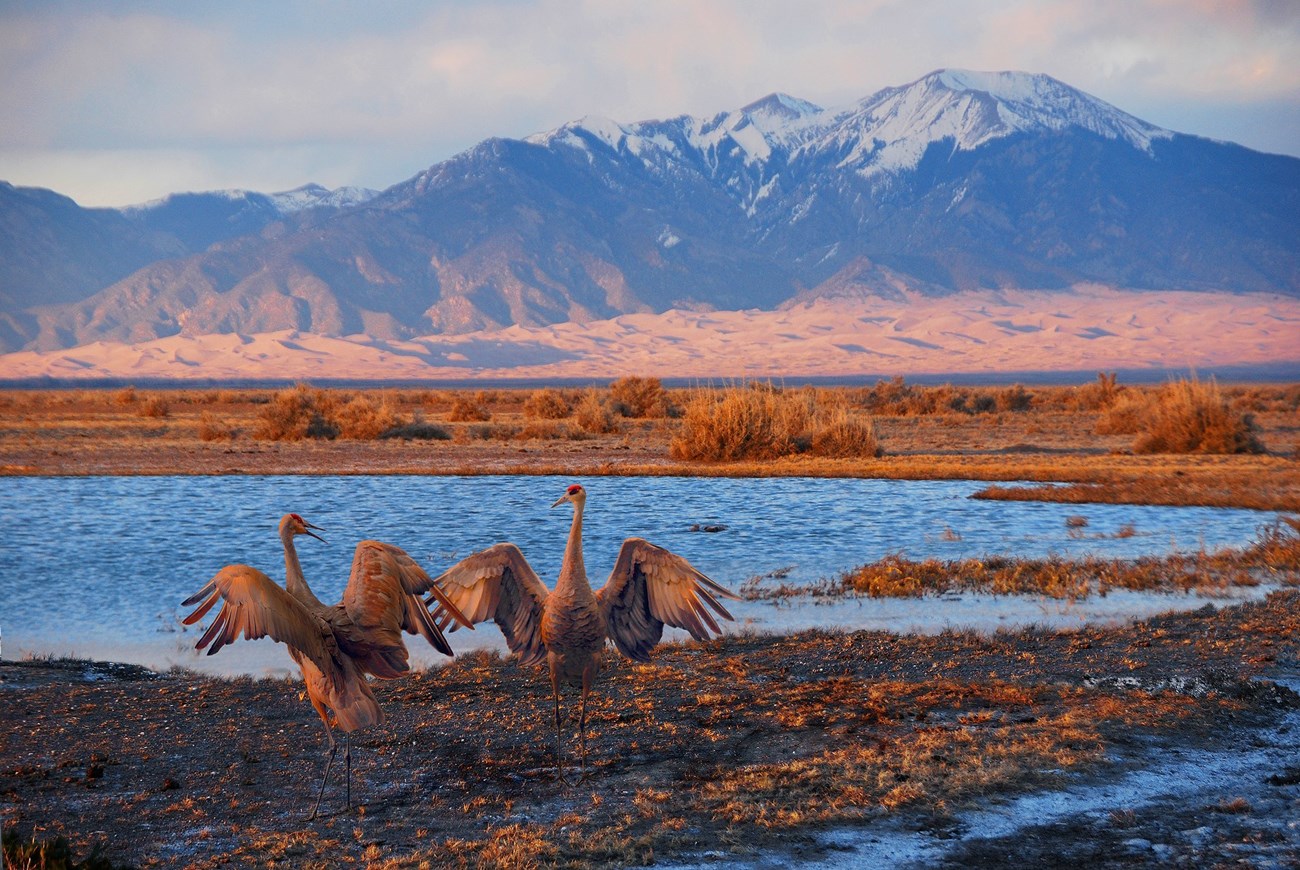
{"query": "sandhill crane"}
(649, 588)
(334, 646)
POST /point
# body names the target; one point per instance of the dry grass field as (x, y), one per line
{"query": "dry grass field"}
(1087, 436)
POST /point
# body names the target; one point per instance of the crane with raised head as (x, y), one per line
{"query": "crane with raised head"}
(567, 627)
(335, 646)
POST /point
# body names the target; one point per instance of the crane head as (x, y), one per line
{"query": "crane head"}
(294, 524)
(575, 494)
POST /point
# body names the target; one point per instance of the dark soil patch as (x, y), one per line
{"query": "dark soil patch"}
(744, 747)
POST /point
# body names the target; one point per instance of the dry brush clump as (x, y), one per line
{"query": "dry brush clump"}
(1274, 558)
(304, 412)
(1183, 416)
(467, 408)
(761, 422)
(595, 415)
(1099, 395)
(295, 414)
(213, 428)
(640, 397)
(547, 404)
(362, 418)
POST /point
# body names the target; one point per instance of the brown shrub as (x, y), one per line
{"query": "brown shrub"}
(125, 396)
(363, 419)
(594, 415)
(1014, 398)
(1096, 396)
(546, 404)
(294, 414)
(469, 409)
(845, 435)
(1192, 416)
(1124, 416)
(213, 428)
(640, 397)
(758, 422)
(154, 406)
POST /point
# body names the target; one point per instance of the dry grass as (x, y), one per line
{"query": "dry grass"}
(92, 432)
(754, 422)
(761, 422)
(1274, 558)
(745, 746)
(469, 409)
(640, 397)
(547, 404)
(595, 415)
(844, 435)
(295, 414)
(1184, 416)
(364, 418)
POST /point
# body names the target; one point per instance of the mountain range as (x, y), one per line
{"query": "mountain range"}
(960, 181)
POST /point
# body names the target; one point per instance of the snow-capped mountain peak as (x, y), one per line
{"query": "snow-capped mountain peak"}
(285, 202)
(880, 135)
(776, 110)
(890, 130)
(315, 195)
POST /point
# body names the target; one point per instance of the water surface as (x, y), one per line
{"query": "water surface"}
(97, 566)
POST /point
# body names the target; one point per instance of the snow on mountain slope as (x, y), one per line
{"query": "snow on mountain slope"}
(885, 133)
(285, 202)
(890, 131)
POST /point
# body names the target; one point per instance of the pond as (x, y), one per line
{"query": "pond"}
(97, 566)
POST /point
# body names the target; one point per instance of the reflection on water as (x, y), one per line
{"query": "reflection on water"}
(97, 566)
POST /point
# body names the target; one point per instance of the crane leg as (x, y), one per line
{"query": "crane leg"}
(334, 748)
(555, 690)
(582, 722)
(347, 764)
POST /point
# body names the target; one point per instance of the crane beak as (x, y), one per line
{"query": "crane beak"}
(313, 534)
(561, 500)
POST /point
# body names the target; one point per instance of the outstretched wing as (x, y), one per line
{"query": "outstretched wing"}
(254, 606)
(497, 584)
(651, 587)
(382, 599)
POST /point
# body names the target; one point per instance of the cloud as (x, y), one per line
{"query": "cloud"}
(411, 83)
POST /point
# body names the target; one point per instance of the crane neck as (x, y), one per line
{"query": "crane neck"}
(573, 573)
(294, 581)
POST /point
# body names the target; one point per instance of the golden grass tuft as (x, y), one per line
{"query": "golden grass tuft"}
(761, 422)
(469, 409)
(843, 434)
(213, 428)
(1273, 558)
(363, 418)
(1192, 416)
(546, 404)
(640, 397)
(594, 414)
(295, 414)
(754, 422)
(154, 406)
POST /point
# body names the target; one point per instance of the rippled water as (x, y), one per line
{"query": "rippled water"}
(98, 566)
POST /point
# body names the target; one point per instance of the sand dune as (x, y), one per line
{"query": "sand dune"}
(988, 331)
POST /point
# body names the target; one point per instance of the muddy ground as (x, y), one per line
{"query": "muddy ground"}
(761, 751)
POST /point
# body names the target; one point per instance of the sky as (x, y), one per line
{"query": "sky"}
(122, 101)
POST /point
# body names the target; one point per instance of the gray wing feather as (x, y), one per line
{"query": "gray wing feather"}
(255, 606)
(651, 587)
(497, 584)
